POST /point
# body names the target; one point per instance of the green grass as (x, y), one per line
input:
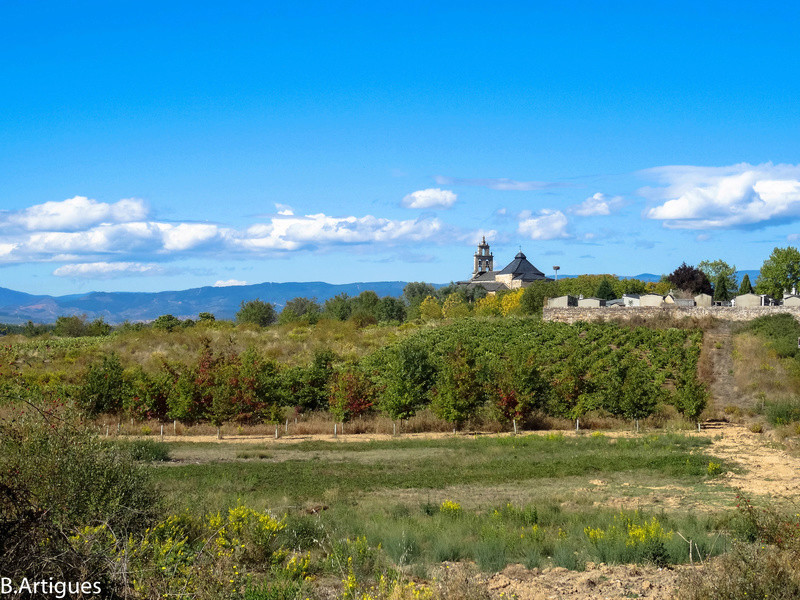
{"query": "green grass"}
(389, 494)
(320, 472)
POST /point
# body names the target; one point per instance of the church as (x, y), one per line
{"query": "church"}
(519, 273)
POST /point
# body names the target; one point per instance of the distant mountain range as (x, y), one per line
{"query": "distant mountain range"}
(223, 302)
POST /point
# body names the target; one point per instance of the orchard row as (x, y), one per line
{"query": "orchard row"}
(511, 367)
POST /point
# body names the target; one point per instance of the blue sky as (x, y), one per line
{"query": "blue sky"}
(167, 145)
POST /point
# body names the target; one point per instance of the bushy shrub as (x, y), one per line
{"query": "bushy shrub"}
(104, 389)
(56, 479)
(352, 393)
(782, 412)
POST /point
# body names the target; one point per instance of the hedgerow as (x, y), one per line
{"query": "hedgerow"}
(512, 368)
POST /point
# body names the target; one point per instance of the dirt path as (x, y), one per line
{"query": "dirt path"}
(718, 348)
(766, 469)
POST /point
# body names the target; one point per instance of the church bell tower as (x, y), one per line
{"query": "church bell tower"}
(484, 261)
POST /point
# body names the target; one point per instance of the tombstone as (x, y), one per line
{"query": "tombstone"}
(591, 302)
(562, 302)
(651, 300)
(704, 300)
(747, 301)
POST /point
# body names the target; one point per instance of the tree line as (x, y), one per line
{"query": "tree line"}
(507, 369)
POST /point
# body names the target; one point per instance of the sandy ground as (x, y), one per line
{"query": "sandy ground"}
(597, 581)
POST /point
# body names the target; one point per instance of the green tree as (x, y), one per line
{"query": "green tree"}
(780, 272)
(722, 288)
(366, 308)
(416, 291)
(352, 393)
(339, 307)
(408, 376)
(166, 323)
(517, 386)
(300, 309)
(455, 307)
(307, 386)
(723, 275)
(71, 326)
(746, 287)
(459, 392)
(261, 393)
(605, 291)
(430, 309)
(104, 388)
(391, 309)
(76, 326)
(256, 312)
(639, 394)
(691, 399)
(206, 317)
(536, 295)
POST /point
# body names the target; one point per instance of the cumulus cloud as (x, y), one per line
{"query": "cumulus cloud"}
(740, 195)
(106, 270)
(430, 198)
(186, 235)
(498, 183)
(73, 214)
(546, 225)
(229, 283)
(597, 205)
(111, 244)
(292, 233)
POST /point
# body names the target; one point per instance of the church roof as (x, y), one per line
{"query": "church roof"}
(520, 268)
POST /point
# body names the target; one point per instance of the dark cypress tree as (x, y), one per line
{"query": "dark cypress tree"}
(721, 292)
(745, 287)
(605, 291)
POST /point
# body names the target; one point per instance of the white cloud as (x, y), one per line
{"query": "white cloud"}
(106, 270)
(284, 209)
(186, 235)
(75, 213)
(725, 197)
(104, 248)
(498, 183)
(229, 283)
(430, 198)
(292, 233)
(597, 205)
(547, 225)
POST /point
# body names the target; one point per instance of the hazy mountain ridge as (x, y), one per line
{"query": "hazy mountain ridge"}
(223, 302)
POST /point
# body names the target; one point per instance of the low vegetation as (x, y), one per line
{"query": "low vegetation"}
(377, 520)
(471, 371)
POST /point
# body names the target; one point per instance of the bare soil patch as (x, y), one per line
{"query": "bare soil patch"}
(609, 582)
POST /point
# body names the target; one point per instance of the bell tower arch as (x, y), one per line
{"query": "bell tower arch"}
(483, 260)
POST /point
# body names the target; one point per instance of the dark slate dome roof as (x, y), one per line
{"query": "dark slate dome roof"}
(520, 268)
